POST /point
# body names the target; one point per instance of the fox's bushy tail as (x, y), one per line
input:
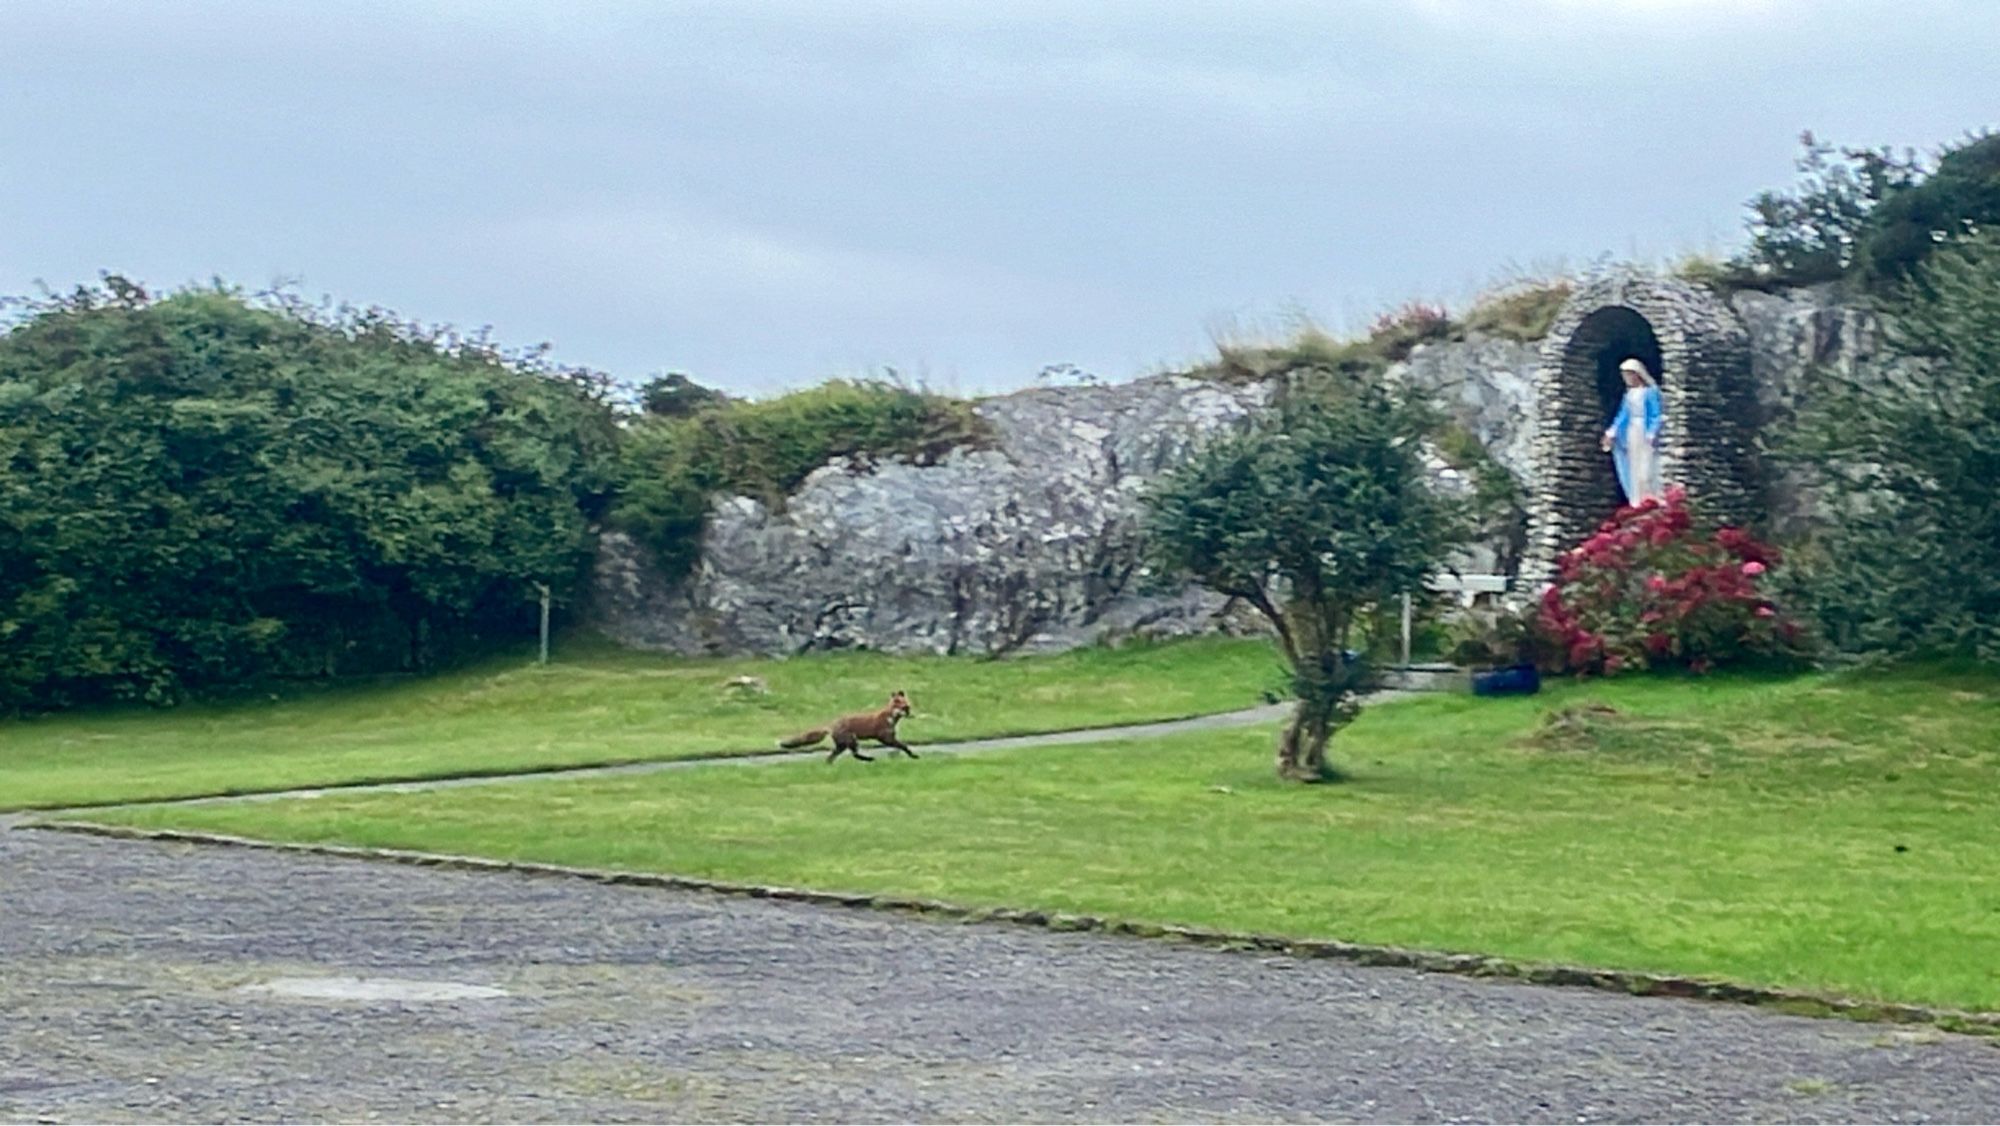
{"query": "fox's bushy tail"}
(804, 738)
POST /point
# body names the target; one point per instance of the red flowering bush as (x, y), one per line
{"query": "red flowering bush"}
(1398, 331)
(1652, 589)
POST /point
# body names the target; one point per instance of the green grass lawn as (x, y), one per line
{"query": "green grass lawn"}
(1835, 833)
(599, 704)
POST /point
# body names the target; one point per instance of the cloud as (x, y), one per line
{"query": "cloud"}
(771, 190)
(680, 250)
(669, 249)
(1528, 16)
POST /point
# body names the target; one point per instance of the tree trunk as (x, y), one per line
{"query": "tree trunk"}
(1320, 674)
(1302, 744)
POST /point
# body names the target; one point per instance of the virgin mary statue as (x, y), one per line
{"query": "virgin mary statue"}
(1633, 438)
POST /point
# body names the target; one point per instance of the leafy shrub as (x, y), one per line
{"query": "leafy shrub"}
(1520, 312)
(1813, 233)
(1907, 558)
(671, 467)
(1868, 213)
(1397, 332)
(1651, 589)
(1311, 348)
(1316, 512)
(201, 492)
(1959, 198)
(674, 395)
(1493, 637)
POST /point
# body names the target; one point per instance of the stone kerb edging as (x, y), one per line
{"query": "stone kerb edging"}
(1634, 982)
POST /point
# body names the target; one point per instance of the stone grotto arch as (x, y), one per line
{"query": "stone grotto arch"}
(1700, 353)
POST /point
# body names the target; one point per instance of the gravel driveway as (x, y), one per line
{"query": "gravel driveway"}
(129, 977)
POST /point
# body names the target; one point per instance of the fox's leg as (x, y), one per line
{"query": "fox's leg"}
(852, 746)
(892, 741)
(835, 753)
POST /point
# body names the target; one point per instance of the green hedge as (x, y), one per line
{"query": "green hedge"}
(202, 491)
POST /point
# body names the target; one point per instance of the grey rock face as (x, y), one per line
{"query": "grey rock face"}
(1028, 546)
(1792, 336)
(1486, 384)
(1792, 333)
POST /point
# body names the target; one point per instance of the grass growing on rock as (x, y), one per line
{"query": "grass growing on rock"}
(1827, 832)
(1522, 311)
(599, 704)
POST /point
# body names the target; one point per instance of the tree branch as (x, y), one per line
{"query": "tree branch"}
(1262, 601)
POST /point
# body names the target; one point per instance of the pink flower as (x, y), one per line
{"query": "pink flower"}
(1753, 568)
(1584, 646)
(1656, 583)
(1766, 612)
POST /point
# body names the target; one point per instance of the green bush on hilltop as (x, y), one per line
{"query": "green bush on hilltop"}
(1868, 215)
(1961, 197)
(671, 467)
(203, 491)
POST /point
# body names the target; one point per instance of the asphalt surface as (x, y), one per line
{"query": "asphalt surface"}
(136, 983)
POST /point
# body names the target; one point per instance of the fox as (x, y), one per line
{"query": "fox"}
(849, 730)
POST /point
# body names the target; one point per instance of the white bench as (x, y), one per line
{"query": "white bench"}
(1468, 587)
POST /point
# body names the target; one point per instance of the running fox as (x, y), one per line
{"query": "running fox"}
(849, 730)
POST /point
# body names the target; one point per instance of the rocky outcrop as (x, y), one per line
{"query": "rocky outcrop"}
(1796, 332)
(1032, 544)
(1794, 335)
(1487, 385)
(1029, 545)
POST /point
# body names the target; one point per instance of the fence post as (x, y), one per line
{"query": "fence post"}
(545, 622)
(1406, 629)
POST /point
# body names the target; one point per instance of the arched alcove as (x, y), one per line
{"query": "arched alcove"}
(1699, 352)
(1604, 339)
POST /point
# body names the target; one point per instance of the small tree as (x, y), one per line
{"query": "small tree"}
(1318, 511)
(1814, 232)
(1961, 197)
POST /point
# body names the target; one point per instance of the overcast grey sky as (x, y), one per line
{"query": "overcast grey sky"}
(765, 194)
